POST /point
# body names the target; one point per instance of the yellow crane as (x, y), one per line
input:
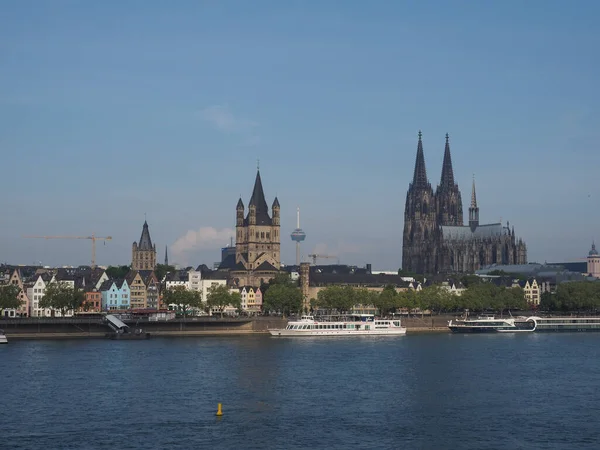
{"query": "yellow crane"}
(93, 238)
(315, 256)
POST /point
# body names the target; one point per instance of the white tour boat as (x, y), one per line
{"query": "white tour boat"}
(491, 324)
(3, 339)
(351, 325)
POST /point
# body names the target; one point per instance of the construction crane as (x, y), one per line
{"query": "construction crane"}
(93, 238)
(314, 257)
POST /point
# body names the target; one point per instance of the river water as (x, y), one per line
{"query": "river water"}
(428, 391)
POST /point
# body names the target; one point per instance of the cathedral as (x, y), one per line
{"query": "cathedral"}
(257, 244)
(435, 240)
(143, 254)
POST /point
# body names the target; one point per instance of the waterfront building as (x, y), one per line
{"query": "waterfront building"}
(92, 301)
(36, 293)
(152, 288)
(143, 253)
(137, 288)
(593, 262)
(16, 279)
(115, 295)
(251, 298)
(531, 290)
(435, 239)
(257, 246)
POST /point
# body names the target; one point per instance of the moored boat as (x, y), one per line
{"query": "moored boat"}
(3, 339)
(350, 325)
(491, 324)
(565, 324)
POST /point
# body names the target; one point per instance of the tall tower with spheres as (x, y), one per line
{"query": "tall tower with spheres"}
(257, 244)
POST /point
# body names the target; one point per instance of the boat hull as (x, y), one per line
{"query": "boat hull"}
(3, 339)
(400, 331)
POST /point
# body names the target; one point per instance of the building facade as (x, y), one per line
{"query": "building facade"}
(257, 245)
(137, 288)
(435, 240)
(143, 253)
(16, 279)
(115, 295)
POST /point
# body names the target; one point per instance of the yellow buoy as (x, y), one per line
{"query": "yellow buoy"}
(219, 410)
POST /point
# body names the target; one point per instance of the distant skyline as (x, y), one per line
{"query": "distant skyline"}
(113, 110)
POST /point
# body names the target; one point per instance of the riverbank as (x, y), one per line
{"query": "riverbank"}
(179, 334)
(68, 328)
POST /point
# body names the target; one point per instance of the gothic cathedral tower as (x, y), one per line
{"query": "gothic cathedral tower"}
(143, 254)
(257, 246)
(420, 227)
(447, 194)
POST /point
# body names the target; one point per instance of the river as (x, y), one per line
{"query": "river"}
(425, 391)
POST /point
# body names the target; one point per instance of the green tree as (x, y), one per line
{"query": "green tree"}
(183, 299)
(9, 297)
(62, 297)
(386, 301)
(161, 270)
(284, 298)
(219, 298)
(336, 298)
(470, 280)
(117, 271)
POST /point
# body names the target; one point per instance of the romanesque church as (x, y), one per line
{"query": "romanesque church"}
(257, 243)
(435, 239)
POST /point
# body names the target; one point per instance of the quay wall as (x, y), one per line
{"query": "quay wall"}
(56, 328)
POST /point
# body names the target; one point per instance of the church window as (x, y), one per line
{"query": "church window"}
(268, 235)
(257, 235)
(262, 235)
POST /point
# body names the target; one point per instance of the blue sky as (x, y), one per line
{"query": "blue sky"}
(110, 110)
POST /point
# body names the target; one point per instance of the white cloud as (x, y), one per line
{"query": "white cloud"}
(206, 238)
(221, 118)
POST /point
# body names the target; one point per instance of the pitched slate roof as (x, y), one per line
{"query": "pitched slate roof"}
(258, 201)
(266, 266)
(451, 232)
(145, 241)
(228, 262)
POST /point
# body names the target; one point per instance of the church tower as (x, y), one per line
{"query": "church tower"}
(257, 246)
(447, 194)
(473, 210)
(143, 254)
(420, 227)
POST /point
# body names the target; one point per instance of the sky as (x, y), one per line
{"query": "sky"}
(116, 111)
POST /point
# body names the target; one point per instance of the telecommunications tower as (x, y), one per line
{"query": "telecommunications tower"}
(298, 236)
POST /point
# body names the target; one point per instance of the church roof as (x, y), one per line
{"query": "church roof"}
(258, 201)
(228, 262)
(145, 241)
(266, 266)
(593, 251)
(447, 180)
(450, 232)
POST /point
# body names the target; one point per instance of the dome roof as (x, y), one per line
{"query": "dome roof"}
(593, 251)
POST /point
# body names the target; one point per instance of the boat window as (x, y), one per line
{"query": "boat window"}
(396, 323)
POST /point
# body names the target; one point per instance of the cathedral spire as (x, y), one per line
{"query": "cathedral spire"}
(447, 171)
(420, 175)
(166, 256)
(473, 210)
